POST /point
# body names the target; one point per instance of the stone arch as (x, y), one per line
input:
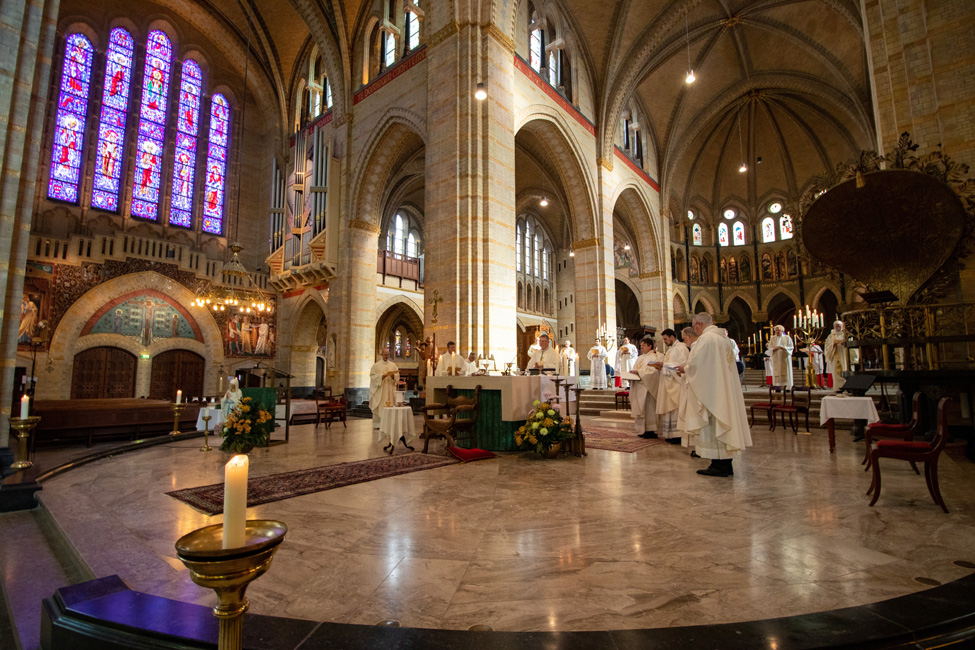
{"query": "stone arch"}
(309, 314)
(680, 303)
(397, 310)
(648, 237)
(707, 301)
(747, 297)
(780, 291)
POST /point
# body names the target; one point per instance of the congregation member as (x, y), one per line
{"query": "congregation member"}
(597, 368)
(626, 356)
(714, 408)
(545, 357)
(671, 385)
(382, 387)
(643, 392)
(837, 361)
(779, 351)
(568, 360)
(451, 364)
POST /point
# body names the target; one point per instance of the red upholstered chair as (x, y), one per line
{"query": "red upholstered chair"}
(622, 399)
(897, 431)
(776, 397)
(915, 451)
(795, 408)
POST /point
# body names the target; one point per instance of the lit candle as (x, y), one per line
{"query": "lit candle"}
(429, 368)
(235, 502)
(206, 409)
(220, 384)
(24, 407)
(179, 396)
(795, 322)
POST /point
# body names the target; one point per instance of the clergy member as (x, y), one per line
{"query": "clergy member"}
(597, 369)
(537, 345)
(451, 364)
(568, 360)
(779, 350)
(382, 387)
(837, 360)
(671, 385)
(471, 366)
(643, 393)
(545, 357)
(714, 406)
(626, 356)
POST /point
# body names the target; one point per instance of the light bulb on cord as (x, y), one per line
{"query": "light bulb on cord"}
(543, 202)
(690, 77)
(626, 247)
(572, 253)
(480, 94)
(743, 168)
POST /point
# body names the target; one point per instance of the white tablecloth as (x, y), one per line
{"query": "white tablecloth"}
(518, 393)
(848, 408)
(394, 422)
(216, 420)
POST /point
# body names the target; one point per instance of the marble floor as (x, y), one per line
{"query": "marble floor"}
(608, 541)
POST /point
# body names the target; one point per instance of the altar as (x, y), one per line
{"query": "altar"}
(504, 404)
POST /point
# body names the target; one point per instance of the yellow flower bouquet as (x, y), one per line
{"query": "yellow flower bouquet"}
(247, 426)
(544, 428)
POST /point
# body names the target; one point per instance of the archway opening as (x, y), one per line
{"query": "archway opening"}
(828, 306)
(399, 330)
(311, 331)
(781, 309)
(627, 306)
(739, 320)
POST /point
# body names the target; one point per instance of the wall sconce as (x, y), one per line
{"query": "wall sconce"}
(480, 94)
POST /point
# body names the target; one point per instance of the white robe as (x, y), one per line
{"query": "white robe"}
(626, 356)
(671, 384)
(548, 358)
(470, 368)
(381, 390)
(643, 393)
(836, 357)
(451, 365)
(714, 408)
(781, 360)
(597, 355)
(568, 362)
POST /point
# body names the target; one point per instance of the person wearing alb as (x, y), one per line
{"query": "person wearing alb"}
(544, 358)
(671, 385)
(597, 368)
(382, 387)
(643, 393)
(779, 350)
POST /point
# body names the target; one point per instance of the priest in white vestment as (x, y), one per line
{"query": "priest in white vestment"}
(597, 368)
(626, 356)
(671, 385)
(568, 360)
(545, 357)
(837, 360)
(779, 351)
(714, 408)
(451, 364)
(643, 393)
(470, 367)
(382, 387)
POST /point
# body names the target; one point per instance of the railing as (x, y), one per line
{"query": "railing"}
(399, 266)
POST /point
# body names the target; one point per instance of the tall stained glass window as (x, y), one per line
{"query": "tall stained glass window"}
(697, 237)
(217, 151)
(723, 237)
(785, 226)
(66, 154)
(518, 248)
(147, 178)
(412, 30)
(111, 129)
(739, 233)
(768, 229)
(535, 49)
(187, 127)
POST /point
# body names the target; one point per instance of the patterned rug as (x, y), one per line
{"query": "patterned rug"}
(275, 487)
(616, 439)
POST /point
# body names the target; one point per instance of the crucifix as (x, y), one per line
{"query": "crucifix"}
(436, 300)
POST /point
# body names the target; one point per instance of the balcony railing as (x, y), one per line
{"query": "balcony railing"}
(399, 266)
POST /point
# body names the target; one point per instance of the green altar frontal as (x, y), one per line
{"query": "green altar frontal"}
(493, 433)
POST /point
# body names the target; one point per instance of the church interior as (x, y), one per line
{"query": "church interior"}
(278, 192)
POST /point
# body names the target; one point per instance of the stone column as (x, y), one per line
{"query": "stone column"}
(357, 309)
(27, 36)
(592, 304)
(470, 197)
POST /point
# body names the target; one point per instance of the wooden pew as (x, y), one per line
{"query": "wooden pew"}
(74, 420)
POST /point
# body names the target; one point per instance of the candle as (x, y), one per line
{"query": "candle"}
(235, 502)
(206, 409)
(220, 384)
(24, 406)
(429, 368)
(179, 396)
(795, 322)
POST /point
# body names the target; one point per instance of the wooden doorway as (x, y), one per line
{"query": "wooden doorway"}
(104, 372)
(177, 370)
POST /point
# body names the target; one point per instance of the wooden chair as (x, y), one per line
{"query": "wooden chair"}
(449, 419)
(776, 397)
(330, 408)
(895, 431)
(915, 451)
(799, 405)
(622, 399)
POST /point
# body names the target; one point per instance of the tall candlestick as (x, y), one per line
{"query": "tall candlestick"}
(179, 396)
(24, 407)
(235, 502)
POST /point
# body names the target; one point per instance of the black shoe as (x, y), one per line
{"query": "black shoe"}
(694, 454)
(672, 441)
(650, 435)
(713, 471)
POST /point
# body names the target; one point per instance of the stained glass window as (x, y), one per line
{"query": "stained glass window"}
(729, 214)
(399, 344)
(69, 130)
(775, 208)
(328, 94)
(528, 249)
(696, 235)
(217, 150)
(739, 232)
(538, 248)
(785, 226)
(111, 129)
(690, 215)
(536, 49)
(187, 127)
(518, 248)
(147, 178)
(768, 229)
(553, 68)
(390, 55)
(412, 246)
(412, 30)
(723, 234)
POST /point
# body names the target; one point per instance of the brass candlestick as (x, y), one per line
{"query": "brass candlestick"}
(229, 571)
(23, 426)
(177, 409)
(206, 433)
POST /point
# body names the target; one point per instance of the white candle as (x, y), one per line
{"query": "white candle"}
(206, 409)
(220, 384)
(795, 322)
(179, 396)
(235, 502)
(24, 407)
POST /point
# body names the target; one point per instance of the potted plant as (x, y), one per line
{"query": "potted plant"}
(544, 430)
(247, 426)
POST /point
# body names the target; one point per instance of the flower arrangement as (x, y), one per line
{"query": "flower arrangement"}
(544, 428)
(247, 426)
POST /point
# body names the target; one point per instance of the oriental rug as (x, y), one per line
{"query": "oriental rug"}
(616, 439)
(275, 487)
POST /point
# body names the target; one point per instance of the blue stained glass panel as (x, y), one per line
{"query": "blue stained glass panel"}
(216, 165)
(111, 130)
(187, 126)
(66, 153)
(147, 175)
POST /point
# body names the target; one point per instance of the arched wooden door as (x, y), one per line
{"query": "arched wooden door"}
(177, 370)
(103, 372)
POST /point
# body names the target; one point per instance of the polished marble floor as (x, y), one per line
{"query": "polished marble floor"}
(609, 541)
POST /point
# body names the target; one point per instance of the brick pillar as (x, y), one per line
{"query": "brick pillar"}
(27, 35)
(470, 202)
(357, 310)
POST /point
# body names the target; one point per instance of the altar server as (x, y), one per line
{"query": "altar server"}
(837, 360)
(626, 356)
(779, 351)
(568, 360)
(643, 393)
(382, 387)
(671, 385)
(597, 368)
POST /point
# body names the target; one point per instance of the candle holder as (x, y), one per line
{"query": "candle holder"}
(23, 426)
(579, 442)
(809, 336)
(206, 433)
(177, 409)
(228, 571)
